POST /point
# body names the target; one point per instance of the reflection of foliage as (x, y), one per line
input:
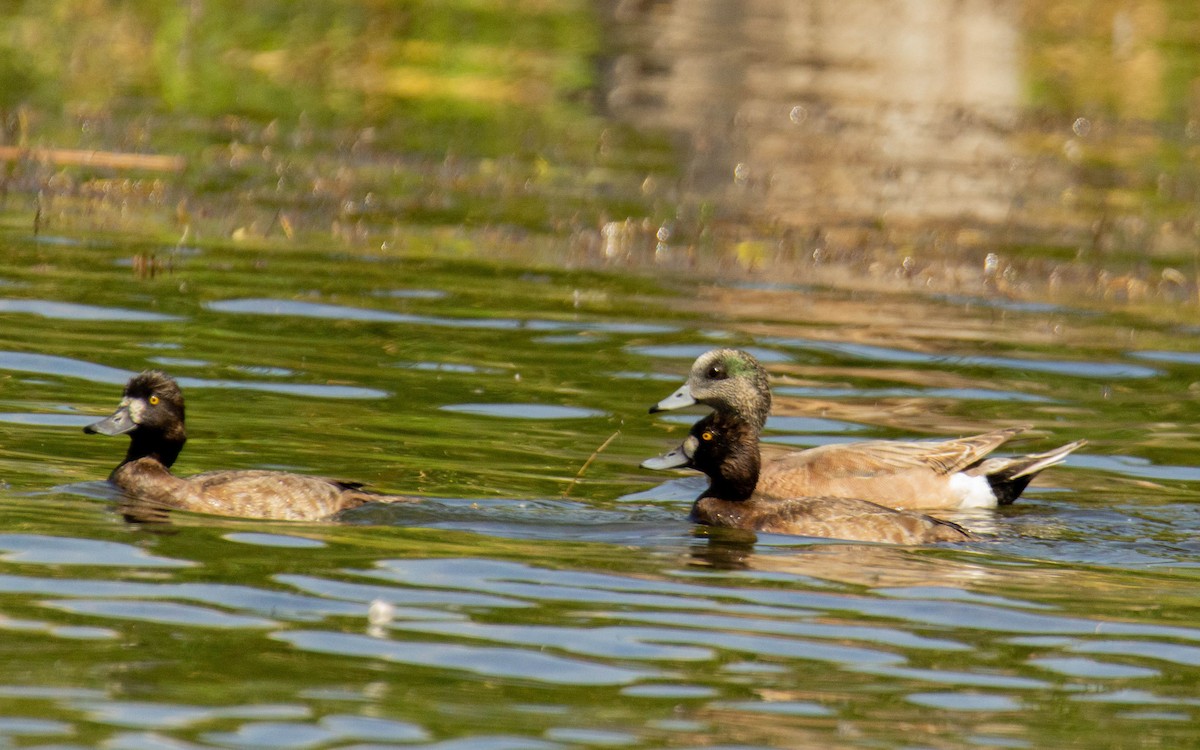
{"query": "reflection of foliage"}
(356, 113)
(350, 63)
(17, 80)
(1114, 58)
(1128, 76)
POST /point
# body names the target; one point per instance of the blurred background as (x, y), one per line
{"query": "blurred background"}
(1016, 145)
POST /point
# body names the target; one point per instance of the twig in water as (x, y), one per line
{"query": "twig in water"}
(588, 463)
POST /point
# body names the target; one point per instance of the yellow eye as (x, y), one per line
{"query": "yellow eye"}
(707, 436)
(154, 400)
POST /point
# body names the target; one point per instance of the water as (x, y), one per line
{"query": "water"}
(927, 221)
(523, 606)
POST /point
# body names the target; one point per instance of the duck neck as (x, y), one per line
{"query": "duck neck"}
(162, 447)
(737, 476)
(754, 403)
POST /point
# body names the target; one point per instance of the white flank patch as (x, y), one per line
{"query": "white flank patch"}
(972, 492)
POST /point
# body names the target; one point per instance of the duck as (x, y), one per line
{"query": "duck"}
(151, 412)
(726, 449)
(915, 475)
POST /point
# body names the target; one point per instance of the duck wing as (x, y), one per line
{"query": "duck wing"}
(881, 457)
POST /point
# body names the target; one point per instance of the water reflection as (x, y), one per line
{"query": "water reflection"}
(344, 312)
(513, 613)
(524, 411)
(44, 364)
(849, 564)
(74, 311)
(509, 663)
(828, 114)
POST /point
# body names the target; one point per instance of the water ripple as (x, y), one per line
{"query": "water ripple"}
(524, 411)
(46, 420)
(277, 604)
(611, 642)
(357, 592)
(1081, 369)
(510, 663)
(45, 364)
(1171, 652)
(71, 311)
(67, 550)
(149, 715)
(965, 701)
(692, 351)
(1091, 668)
(166, 613)
(299, 309)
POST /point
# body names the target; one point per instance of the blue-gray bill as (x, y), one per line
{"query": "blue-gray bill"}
(672, 460)
(119, 423)
(677, 400)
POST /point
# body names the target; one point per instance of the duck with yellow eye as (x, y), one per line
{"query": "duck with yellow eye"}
(151, 413)
(727, 450)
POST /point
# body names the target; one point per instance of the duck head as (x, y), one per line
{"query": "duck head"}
(151, 413)
(724, 448)
(729, 380)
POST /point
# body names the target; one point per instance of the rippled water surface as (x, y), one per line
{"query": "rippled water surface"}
(527, 605)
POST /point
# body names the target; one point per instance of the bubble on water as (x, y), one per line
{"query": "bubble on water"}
(1081, 127)
(381, 612)
(798, 114)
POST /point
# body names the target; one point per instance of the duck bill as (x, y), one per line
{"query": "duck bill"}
(677, 400)
(673, 460)
(118, 423)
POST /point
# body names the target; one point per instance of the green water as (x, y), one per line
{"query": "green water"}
(457, 249)
(524, 618)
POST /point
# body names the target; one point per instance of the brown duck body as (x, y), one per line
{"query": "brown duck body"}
(727, 450)
(247, 493)
(921, 475)
(152, 414)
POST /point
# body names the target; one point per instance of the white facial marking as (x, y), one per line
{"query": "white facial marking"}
(690, 445)
(137, 407)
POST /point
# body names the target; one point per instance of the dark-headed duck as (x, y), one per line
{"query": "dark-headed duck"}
(151, 413)
(925, 475)
(727, 451)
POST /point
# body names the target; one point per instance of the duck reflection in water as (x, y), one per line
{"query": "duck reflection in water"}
(151, 412)
(854, 566)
